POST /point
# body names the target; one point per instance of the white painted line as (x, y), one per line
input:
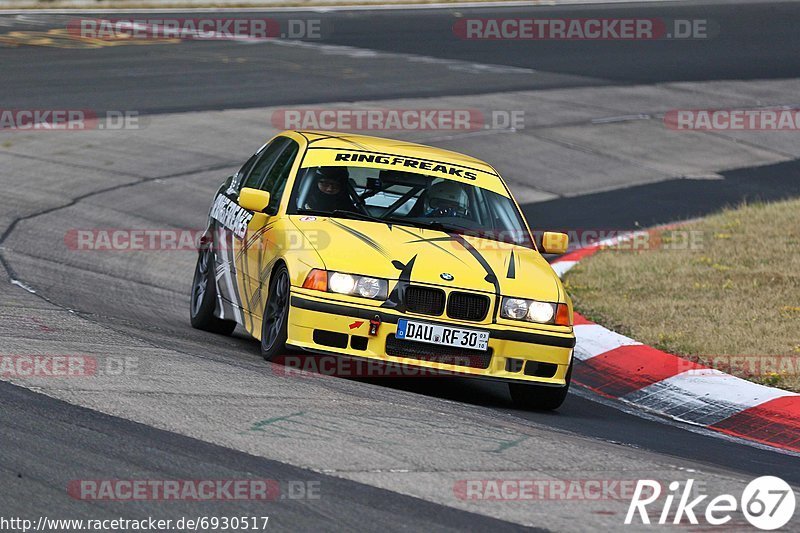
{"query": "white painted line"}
(367, 53)
(23, 285)
(593, 340)
(621, 118)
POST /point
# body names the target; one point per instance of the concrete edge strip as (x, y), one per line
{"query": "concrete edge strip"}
(621, 368)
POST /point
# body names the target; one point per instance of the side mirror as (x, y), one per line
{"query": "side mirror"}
(555, 243)
(254, 199)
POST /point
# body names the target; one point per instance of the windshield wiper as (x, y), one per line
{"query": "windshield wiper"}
(452, 228)
(355, 214)
(436, 225)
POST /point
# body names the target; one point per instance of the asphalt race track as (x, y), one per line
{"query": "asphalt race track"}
(387, 454)
(757, 40)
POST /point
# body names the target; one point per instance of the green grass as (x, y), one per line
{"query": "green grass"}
(729, 297)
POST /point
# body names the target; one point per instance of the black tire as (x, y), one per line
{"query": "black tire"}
(275, 321)
(539, 397)
(204, 297)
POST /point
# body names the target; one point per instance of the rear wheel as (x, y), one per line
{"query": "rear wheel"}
(204, 297)
(539, 397)
(276, 315)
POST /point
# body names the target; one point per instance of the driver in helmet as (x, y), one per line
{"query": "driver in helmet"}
(329, 191)
(446, 199)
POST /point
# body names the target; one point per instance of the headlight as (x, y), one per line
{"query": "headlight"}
(535, 311)
(515, 308)
(341, 283)
(541, 312)
(369, 287)
(350, 284)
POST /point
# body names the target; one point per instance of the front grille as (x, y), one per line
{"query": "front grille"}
(424, 300)
(466, 306)
(440, 354)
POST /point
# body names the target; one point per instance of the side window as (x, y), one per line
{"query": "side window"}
(278, 175)
(260, 169)
(239, 176)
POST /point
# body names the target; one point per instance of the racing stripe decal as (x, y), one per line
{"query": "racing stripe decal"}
(367, 240)
(249, 241)
(323, 137)
(491, 277)
(432, 242)
(220, 300)
(397, 298)
(231, 282)
(512, 267)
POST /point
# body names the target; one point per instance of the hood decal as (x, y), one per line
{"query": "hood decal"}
(432, 242)
(490, 275)
(356, 244)
(512, 267)
(367, 240)
(397, 298)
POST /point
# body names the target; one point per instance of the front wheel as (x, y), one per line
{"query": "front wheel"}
(276, 315)
(204, 297)
(539, 397)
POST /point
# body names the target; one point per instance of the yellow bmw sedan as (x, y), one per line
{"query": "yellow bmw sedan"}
(373, 248)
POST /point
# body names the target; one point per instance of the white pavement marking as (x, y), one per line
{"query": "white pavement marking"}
(362, 53)
(23, 285)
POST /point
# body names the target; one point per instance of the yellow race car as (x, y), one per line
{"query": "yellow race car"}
(387, 250)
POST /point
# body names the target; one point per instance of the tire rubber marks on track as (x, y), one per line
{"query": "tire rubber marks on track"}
(366, 53)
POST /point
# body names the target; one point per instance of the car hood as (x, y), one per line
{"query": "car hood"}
(429, 256)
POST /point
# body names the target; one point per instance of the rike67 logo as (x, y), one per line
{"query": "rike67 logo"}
(767, 503)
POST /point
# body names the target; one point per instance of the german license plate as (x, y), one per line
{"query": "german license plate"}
(472, 339)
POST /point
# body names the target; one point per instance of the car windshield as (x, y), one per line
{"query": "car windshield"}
(408, 198)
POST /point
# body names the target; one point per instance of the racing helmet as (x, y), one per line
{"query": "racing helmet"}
(326, 198)
(338, 174)
(447, 198)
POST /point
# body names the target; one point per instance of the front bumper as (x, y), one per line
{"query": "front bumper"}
(511, 348)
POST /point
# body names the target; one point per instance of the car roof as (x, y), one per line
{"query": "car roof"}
(350, 141)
